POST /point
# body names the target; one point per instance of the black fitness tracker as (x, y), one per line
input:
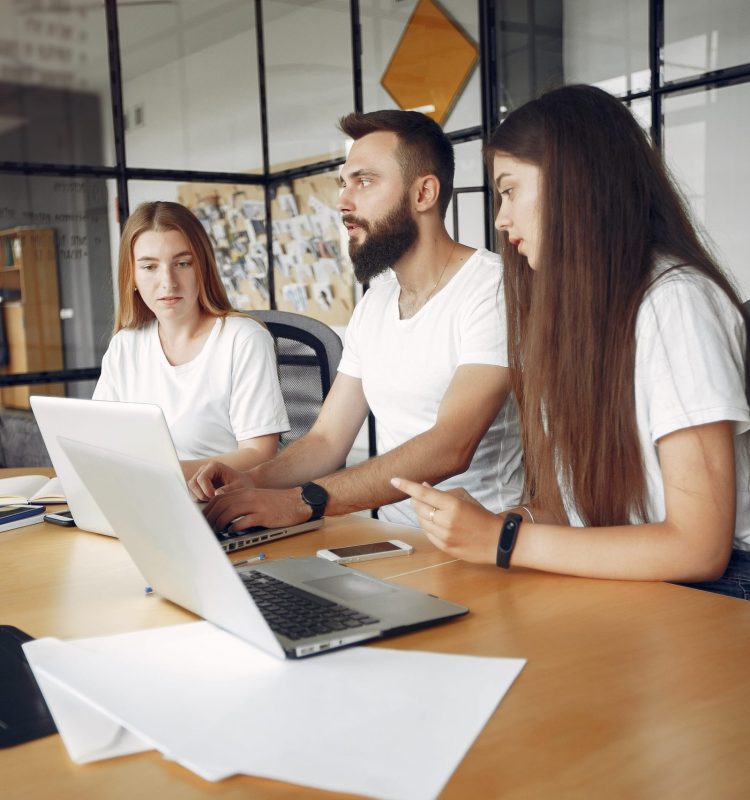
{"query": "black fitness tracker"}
(316, 497)
(507, 540)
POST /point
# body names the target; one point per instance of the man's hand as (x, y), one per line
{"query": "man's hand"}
(216, 478)
(248, 507)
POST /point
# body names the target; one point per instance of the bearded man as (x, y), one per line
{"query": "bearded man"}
(425, 351)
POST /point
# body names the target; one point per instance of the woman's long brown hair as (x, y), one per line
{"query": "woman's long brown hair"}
(608, 209)
(163, 216)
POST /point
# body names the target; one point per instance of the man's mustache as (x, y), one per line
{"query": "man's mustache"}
(352, 220)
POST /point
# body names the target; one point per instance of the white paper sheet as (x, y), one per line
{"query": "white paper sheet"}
(381, 723)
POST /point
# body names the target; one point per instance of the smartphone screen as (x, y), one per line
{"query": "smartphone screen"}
(364, 549)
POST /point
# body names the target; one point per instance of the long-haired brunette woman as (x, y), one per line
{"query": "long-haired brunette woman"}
(627, 348)
(178, 343)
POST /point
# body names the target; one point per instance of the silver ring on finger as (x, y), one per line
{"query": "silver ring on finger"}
(431, 515)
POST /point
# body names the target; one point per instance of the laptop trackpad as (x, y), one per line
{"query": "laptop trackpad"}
(350, 587)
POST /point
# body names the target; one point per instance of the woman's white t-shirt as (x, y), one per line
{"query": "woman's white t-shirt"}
(229, 392)
(689, 371)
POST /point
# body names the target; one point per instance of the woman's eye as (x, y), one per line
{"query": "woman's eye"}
(365, 181)
(506, 192)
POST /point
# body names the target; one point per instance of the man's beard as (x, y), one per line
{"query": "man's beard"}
(385, 241)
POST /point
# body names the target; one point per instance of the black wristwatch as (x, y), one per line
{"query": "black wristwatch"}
(507, 540)
(316, 497)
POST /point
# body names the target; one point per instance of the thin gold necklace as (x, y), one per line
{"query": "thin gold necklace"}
(409, 311)
(440, 277)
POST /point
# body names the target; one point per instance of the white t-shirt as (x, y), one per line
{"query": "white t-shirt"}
(690, 370)
(227, 393)
(406, 365)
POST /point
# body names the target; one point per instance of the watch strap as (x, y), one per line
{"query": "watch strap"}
(507, 540)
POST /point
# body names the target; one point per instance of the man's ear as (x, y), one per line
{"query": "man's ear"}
(427, 192)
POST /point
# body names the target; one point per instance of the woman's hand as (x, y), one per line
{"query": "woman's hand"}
(454, 521)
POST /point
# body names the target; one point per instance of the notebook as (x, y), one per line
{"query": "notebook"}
(175, 549)
(135, 429)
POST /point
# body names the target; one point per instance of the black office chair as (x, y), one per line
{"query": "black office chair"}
(308, 352)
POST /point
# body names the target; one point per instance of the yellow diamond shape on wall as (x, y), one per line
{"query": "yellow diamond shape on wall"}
(431, 64)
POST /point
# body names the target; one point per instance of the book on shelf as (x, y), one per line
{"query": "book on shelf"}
(31, 489)
(9, 251)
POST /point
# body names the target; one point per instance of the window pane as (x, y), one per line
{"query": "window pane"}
(233, 215)
(56, 238)
(606, 43)
(190, 85)
(383, 26)
(469, 169)
(542, 44)
(699, 37)
(55, 102)
(308, 79)
(312, 268)
(705, 138)
(641, 110)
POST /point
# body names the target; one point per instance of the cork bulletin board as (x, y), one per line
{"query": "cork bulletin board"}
(312, 271)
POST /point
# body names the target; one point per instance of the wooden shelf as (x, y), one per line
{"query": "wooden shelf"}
(31, 322)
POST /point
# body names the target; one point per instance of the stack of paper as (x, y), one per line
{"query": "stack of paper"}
(381, 723)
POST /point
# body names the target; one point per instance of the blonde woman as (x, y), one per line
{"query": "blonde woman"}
(178, 343)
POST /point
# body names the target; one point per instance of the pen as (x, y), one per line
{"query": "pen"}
(259, 557)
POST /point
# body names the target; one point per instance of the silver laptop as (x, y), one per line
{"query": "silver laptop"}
(290, 607)
(135, 429)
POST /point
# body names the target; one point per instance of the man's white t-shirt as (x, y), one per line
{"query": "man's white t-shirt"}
(406, 366)
(228, 392)
(690, 370)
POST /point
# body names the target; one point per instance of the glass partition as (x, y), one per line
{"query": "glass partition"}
(391, 32)
(705, 141)
(468, 197)
(543, 44)
(700, 37)
(308, 79)
(56, 297)
(190, 85)
(55, 99)
(606, 43)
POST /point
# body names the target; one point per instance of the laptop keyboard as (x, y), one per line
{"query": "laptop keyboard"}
(298, 614)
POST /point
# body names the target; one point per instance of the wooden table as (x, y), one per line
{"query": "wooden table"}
(631, 689)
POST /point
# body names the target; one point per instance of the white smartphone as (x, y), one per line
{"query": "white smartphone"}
(366, 552)
(64, 518)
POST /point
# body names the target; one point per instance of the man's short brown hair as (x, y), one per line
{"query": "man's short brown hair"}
(423, 148)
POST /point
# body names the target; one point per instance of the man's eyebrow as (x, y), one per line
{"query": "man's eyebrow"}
(358, 173)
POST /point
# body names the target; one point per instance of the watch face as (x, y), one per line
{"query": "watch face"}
(508, 533)
(314, 495)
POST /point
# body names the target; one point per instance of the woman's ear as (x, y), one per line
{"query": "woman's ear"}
(428, 191)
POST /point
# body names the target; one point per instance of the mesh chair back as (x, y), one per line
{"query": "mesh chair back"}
(308, 354)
